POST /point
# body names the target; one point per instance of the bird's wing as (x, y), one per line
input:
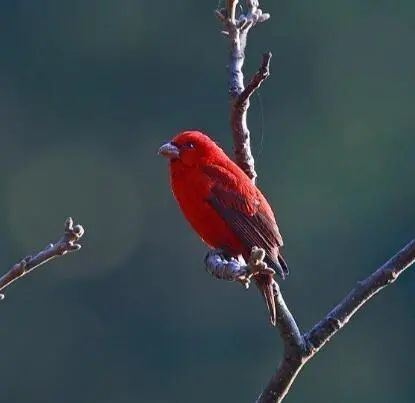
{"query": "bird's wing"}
(253, 224)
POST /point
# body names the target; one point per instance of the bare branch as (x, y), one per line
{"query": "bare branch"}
(296, 356)
(289, 331)
(256, 81)
(298, 347)
(68, 243)
(236, 29)
(364, 290)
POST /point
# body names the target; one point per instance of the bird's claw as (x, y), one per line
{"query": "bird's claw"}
(256, 264)
(244, 280)
(261, 268)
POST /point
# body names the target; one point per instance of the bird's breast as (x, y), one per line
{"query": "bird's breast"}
(192, 190)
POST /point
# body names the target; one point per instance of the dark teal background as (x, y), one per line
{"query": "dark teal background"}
(89, 89)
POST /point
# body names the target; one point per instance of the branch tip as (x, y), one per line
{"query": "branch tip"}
(68, 224)
(67, 243)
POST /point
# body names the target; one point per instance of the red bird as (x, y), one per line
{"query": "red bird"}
(223, 206)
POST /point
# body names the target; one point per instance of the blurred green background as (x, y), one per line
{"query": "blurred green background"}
(89, 89)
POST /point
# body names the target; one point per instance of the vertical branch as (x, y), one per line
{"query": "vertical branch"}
(236, 28)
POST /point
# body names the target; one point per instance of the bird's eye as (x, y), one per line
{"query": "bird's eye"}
(189, 145)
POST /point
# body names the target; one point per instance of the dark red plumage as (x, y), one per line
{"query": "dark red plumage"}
(222, 204)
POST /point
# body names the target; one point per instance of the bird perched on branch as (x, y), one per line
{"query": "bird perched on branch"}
(223, 206)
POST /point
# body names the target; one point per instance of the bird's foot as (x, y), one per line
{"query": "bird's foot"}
(225, 267)
(254, 267)
(231, 268)
(256, 264)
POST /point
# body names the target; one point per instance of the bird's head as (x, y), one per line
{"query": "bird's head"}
(191, 148)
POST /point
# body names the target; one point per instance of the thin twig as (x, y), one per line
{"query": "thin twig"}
(364, 290)
(295, 357)
(68, 243)
(256, 81)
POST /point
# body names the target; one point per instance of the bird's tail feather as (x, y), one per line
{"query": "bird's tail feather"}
(279, 265)
(264, 283)
(283, 265)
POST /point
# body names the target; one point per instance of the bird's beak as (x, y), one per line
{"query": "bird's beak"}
(169, 151)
